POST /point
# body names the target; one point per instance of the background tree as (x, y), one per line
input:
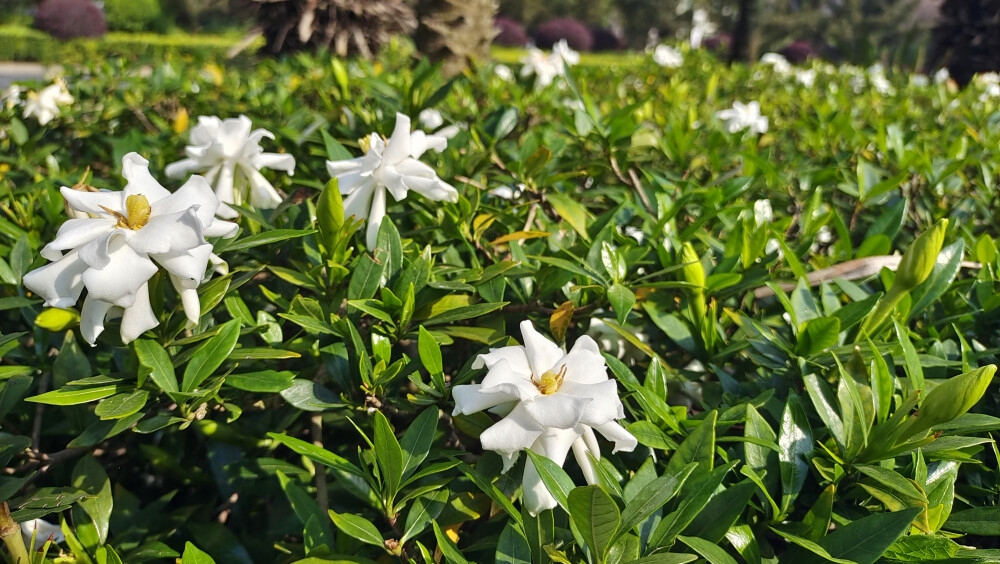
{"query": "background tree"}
(965, 39)
(456, 32)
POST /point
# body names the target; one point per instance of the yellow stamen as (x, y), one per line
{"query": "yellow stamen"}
(136, 214)
(365, 143)
(550, 382)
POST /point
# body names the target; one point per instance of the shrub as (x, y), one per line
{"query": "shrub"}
(66, 19)
(133, 15)
(511, 33)
(605, 40)
(798, 51)
(575, 33)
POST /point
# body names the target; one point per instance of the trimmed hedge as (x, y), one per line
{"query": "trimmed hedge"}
(18, 43)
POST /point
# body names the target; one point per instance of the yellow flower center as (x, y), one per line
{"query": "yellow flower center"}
(365, 143)
(136, 214)
(550, 382)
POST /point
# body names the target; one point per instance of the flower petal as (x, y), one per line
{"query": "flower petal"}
(74, 233)
(93, 202)
(511, 435)
(432, 188)
(274, 161)
(188, 265)
(126, 272)
(135, 169)
(138, 317)
(398, 147)
(182, 168)
(605, 405)
(554, 445)
(262, 193)
(195, 193)
(557, 411)
(189, 299)
(616, 433)
(92, 319)
(542, 353)
(470, 399)
(59, 283)
(515, 356)
(584, 363)
(359, 203)
(580, 450)
(165, 233)
(375, 217)
(346, 166)
(420, 142)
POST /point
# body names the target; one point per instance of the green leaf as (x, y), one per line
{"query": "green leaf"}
(357, 527)
(389, 454)
(122, 405)
(983, 520)
(430, 352)
(622, 299)
(695, 494)
(451, 553)
(89, 476)
(365, 280)
(817, 335)
(572, 211)
(914, 370)
(264, 381)
(316, 453)
(310, 396)
(721, 512)
(708, 550)
(556, 480)
(864, 540)
(307, 510)
(512, 547)
(194, 555)
(73, 395)
(795, 446)
(698, 447)
(18, 132)
(423, 510)
(269, 237)
(652, 497)
(417, 440)
(666, 558)
(155, 358)
(882, 384)
(596, 517)
(922, 548)
(210, 355)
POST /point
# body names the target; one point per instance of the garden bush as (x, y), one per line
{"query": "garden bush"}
(760, 311)
(66, 19)
(576, 34)
(511, 33)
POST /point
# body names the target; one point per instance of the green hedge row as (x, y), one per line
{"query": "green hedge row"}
(18, 43)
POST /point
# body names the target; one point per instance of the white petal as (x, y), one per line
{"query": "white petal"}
(347, 183)
(515, 356)
(92, 319)
(504, 372)
(219, 228)
(262, 194)
(616, 433)
(337, 168)
(432, 188)
(181, 168)
(59, 283)
(225, 190)
(469, 399)
(511, 434)
(605, 405)
(189, 265)
(375, 217)
(584, 363)
(178, 231)
(138, 317)
(554, 445)
(195, 193)
(359, 203)
(92, 202)
(74, 233)
(420, 142)
(398, 147)
(557, 411)
(189, 299)
(542, 353)
(135, 169)
(580, 450)
(275, 161)
(125, 273)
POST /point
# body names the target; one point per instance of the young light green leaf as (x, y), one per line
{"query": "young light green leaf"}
(596, 517)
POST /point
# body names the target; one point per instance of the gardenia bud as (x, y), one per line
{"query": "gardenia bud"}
(693, 270)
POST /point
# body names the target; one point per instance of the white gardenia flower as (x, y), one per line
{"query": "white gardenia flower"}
(389, 166)
(762, 212)
(806, 77)
(44, 531)
(551, 401)
(229, 155)
(743, 116)
(115, 252)
(430, 118)
(11, 96)
(778, 63)
(667, 56)
(700, 28)
(503, 72)
(562, 52)
(544, 67)
(44, 105)
(942, 76)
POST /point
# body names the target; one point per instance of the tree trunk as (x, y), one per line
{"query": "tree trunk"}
(456, 32)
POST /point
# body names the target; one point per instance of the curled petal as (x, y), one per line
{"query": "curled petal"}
(432, 188)
(515, 356)
(398, 147)
(262, 193)
(220, 228)
(74, 233)
(346, 166)
(556, 411)
(189, 299)
(135, 169)
(188, 265)
(420, 142)
(580, 450)
(92, 319)
(542, 353)
(59, 283)
(375, 217)
(274, 161)
(93, 202)
(617, 434)
(182, 168)
(225, 190)
(138, 317)
(195, 193)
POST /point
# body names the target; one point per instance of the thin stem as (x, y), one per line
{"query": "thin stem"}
(10, 532)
